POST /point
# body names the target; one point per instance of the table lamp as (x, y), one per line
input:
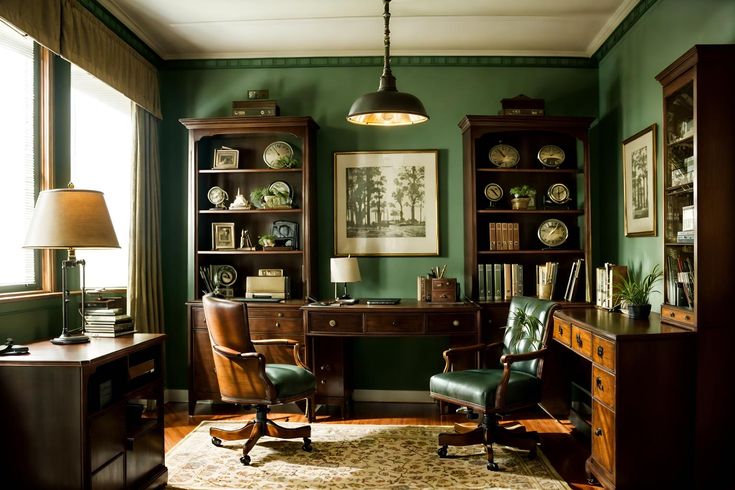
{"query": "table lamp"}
(70, 219)
(344, 270)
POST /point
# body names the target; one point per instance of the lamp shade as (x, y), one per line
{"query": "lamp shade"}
(387, 108)
(71, 218)
(344, 269)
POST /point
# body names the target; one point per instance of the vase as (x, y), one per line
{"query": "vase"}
(520, 202)
(640, 312)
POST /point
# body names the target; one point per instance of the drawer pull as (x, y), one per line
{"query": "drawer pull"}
(455, 323)
(579, 340)
(323, 381)
(324, 367)
(600, 351)
(332, 323)
(394, 323)
(598, 382)
(686, 317)
(561, 330)
(277, 324)
(598, 431)
(672, 314)
(279, 314)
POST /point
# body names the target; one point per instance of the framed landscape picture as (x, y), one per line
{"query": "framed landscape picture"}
(386, 203)
(639, 183)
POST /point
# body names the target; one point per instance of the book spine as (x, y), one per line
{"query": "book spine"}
(493, 237)
(507, 281)
(504, 236)
(489, 286)
(516, 232)
(498, 281)
(481, 282)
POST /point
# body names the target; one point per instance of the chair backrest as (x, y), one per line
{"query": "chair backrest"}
(519, 338)
(227, 322)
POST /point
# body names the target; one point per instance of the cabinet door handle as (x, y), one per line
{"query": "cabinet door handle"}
(332, 323)
(598, 383)
(600, 351)
(598, 431)
(455, 323)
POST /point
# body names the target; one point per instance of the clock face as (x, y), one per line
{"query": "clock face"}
(551, 156)
(504, 156)
(553, 232)
(493, 192)
(217, 195)
(558, 193)
(227, 275)
(275, 152)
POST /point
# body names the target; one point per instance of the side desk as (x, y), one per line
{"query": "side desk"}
(641, 377)
(327, 327)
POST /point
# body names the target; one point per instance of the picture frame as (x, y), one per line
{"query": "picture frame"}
(386, 203)
(639, 183)
(223, 236)
(225, 158)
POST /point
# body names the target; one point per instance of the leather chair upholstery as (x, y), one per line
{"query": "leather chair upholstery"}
(245, 377)
(512, 380)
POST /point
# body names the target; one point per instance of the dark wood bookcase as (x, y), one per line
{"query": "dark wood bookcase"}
(527, 134)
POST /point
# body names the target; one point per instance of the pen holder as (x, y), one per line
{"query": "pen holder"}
(444, 290)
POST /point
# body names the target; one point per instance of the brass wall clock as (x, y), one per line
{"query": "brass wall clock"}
(277, 154)
(551, 156)
(553, 232)
(504, 156)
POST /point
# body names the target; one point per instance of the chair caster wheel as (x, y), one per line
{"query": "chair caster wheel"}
(216, 441)
(493, 466)
(307, 445)
(245, 459)
(442, 451)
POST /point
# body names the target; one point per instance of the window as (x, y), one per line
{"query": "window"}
(19, 161)
(101, 159)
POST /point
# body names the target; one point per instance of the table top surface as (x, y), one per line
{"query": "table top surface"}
(405, 305)
(616, 325)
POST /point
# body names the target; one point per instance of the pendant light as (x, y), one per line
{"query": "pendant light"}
(387, 106)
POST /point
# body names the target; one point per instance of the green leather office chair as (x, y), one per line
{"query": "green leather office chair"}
(245, 378)
(510, 384)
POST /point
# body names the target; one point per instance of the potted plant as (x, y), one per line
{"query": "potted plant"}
(521, 196)
(635, 291)
(267, 240)
(268, 197)
(525, 327)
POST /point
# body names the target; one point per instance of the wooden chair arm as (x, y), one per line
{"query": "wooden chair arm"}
(255, 385)
(284, 343)
(509, 359)
(454, 352)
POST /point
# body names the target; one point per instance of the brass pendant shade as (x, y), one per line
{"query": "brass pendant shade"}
(387, 106)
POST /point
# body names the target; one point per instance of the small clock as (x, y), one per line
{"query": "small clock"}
(558, 193)
(551, 156)
(494, 193)
(553, 232)
(217, 196)
(504, 156)
(277, 153)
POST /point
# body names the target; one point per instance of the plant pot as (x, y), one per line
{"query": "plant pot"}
(639, 311)
(520, 202)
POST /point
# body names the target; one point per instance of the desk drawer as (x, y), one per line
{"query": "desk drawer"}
(563, 332)
(603, 352)
(603, 386)
(582, 341)
(197, 318)
(677, 315)
(394, 323)
(277, 313)
(603, 436)
(449, 323)
(335, 323)
(279, 327)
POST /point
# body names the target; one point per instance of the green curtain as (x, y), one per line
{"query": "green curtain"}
(145, 295)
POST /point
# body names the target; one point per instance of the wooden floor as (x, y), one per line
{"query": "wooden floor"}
(566, 451)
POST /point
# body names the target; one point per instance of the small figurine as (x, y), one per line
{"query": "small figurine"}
(240, 202)
(245, 242)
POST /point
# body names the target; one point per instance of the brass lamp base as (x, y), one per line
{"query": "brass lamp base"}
(65, 339)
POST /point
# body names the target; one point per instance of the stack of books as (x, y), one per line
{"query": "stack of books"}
(107, 322)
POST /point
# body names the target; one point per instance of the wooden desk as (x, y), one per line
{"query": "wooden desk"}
(328, 326)
(67, 422)
(642, 384)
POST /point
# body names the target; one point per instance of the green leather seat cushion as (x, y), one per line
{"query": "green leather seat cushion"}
(477, 386)
(289, 380)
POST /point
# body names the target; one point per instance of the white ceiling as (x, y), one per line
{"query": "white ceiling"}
(194, 29)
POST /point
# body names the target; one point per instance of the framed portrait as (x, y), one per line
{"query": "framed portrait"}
(225, 158)
(223, 236)
(639, 183)
(386, 203)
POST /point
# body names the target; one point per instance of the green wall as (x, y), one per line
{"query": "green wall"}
(630, 99)
(326, 93)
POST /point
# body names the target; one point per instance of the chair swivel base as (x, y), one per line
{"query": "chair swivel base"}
(487, 433)
(255, 429)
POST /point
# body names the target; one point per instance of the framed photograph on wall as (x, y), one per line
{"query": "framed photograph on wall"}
(225, 158)
(639, 183)
(223, 236)
(386, 203)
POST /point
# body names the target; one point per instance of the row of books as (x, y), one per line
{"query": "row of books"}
(504, 236)
(680, 280)
(499, 282)
(609, 277)
(573, 282)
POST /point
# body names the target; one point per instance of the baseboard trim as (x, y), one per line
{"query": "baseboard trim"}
(176, 396)
(392, 396)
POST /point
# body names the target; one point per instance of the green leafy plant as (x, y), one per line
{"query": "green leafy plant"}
(259, 194)
(636, 288)
(288, 161)
(525, 327)
(266, 240)
(522, 191)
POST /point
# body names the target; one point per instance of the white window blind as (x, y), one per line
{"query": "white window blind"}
(21, 269)
(101, 159)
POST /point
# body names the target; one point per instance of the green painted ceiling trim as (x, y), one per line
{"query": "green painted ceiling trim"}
(620, 31)
(122, 31)
(352, 61)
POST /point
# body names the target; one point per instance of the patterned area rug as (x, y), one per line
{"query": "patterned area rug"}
(351, 456)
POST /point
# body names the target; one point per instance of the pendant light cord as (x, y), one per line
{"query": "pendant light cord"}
(387, 80)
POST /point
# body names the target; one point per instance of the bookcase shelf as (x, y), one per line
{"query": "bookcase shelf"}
(548, 251)
(531, 211)
(250, 171)
(246, 211)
